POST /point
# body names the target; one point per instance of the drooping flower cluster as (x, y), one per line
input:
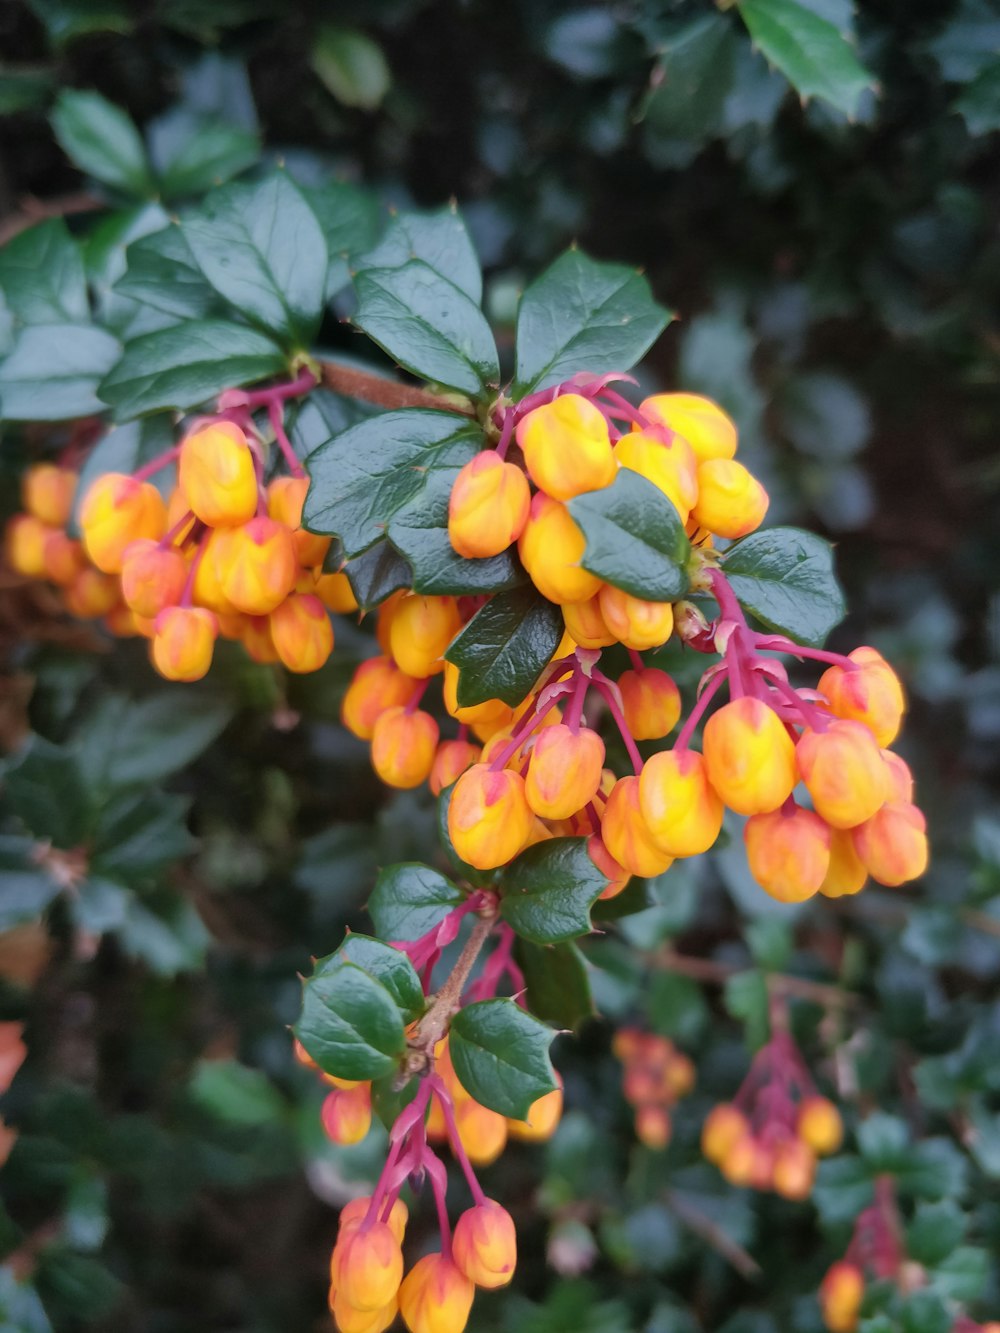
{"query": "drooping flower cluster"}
(657, 1075)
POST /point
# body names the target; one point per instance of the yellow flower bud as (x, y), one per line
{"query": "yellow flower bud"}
(731, 501)
(377, 684)
(301, 632)
(651, 702)
(542, 1120)
(794, 1170)
(551, 548)
(490, 711)
(346, 1114)
(64, 557)
(566, 446)
(450, 762)
(285, 498)
(488, 506)
(564, 772)
(216, 473)
(489, 818)
(183, 642)
(369, 1266)
(585, 625)
(24, 545)
(353, 1214)
(118, 510)
(819, 1126)
(788, 852)
(635, 622)
(336, 593)
(403, 746)
(846, 873)
(153, 576)
(840, 1295)
(91, 594)
(420, 631)
(435, 1297)
(667, 461)
(350, 1320)
(255, 565)
(724, 1126)
(47, 492)
(483, 1133)
(749, 756)
(652, 1126)
(868, 692)
(844, 772)
(484, 1246)
(681, 808)
(616, 875)
(255, 635)
(702, 423)
(626, 834)
(892, 845)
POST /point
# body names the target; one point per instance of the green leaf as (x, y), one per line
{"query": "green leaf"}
(813, 54)
(409, 900)
(635, 538)
(350, 66)
(350, 1024)
(137, 835)
(124, 449)
(263, 250)
(102, 141)
(25, 888)
(549, 889)
(439, 239)
(162, 273)
(389, 1102)
(187, 365)
(636, 896)
(45, 787)
(676, 1008)
(42, 277)
(65, 20)
(105, 260)
(235, 1093)
(963, 1275)
(168, 935)
(558, 988)
(884, 1142)
(505, 647)
(691, 81)
(362, 478)
(501, 1056)
(583, 315)
(377, 574)
(936, 1230)
(924, 1312)
(979, 102)
(351, 221)
(785, 578)
(133, 742)
(205, 151)
(844, 1186)
(387, 965)
(53, 371)
(428, 325)
(746, 998)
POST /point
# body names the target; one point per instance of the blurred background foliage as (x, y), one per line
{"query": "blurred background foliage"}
(835, 264)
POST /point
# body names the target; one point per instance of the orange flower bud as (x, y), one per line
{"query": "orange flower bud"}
(740, 1164)
(788, 852)
(725, 1125)
(900, 777)
(350, 1320)
(489, 818)
(347, 1113)
(840, 1295)
(116, 511)
(435, 1297)
(585, 624)
(731, 501)
(652, 1126)
(667, 461)
(635, 622)
(47, 492)
(369, 1266)
(627, 835)
(206, 589)
(846, 873)
(153, 576)
(844, 772)
(702, 423)
(255, 635)
(353, 1214)
(183, 642)
(420, 631)
(301, 632)
(819, 1126)
(868, 692)
(336, 593)
(564, 772)
(616, 875)
(216, 473)
(64, 557)
(285, 498)
(679, 1074)
(794, 1169)
(303, 1056)
(749, 756)
(892, 845)
(483, 1132)
(121, 622)
(403, 746)
(24, 545)
(681, 808)
(91, 594)
(488, 506)
(551, 548)
(377, 684)
(489, 712)
(651, 702)
(484, 1246)
(255, 565)
(450, 762)
(566, 446)
(542, 1120)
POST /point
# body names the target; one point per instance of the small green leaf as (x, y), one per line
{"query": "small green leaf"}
(979, 102)
(376, 574)
(162, 273)
(235, 1093)
(45, 787)
(387, 965)
(746, 998)
(167, 934)
(583, 315)
(350, 1024)
(102, 140)
(42, 276)
(936, 1231)
(785, 577)
(261, 247)
(187, 365)
(409, 900)
(350, 66)
(635, 538)
(505, 647)
(844, 1186)
(549, 889)
(137, 835)
(439, 239)
(884, 1141)
(558, 988)
(501, 1056)
(813, 54)
(204, 151)
(53, 371)
(691, 81)
(428, 325)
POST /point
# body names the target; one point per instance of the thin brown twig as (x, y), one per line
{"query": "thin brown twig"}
(707, 1230)
(37, 210)
(778, 983)
(387, 393)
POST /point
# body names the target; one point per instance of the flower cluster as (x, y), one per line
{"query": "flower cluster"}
(656, 1076)
(775, 1128)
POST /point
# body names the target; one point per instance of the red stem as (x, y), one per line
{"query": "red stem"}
(698, 711)
(157, 464)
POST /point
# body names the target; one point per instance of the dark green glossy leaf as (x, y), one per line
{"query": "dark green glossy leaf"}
(52, 372)
(691, 81)
(583, 315)
(785, 578)
(350, 66)
(166, 933)
(351, 221)
(386, 964)
(635, 538)
(376, 574)
(204, 151)
(557, 982)
(262, 249)
(505, 647)
(46, 788)
(428, 325)
(746, 998)
(137, 835)
(549, 889)
(844, 1186)
(187, 365)
(350, 1024)
(635, 897)
(388, 1101)
(105, 259)
(102, 141)
(42, 276)
(409, 900)
(501, 1056)
(979, 103)
(235, 1093)
(162, 273)
(439, 239)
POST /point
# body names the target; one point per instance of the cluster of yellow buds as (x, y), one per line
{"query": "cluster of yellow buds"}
(657, 1075)
(770, 1136)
